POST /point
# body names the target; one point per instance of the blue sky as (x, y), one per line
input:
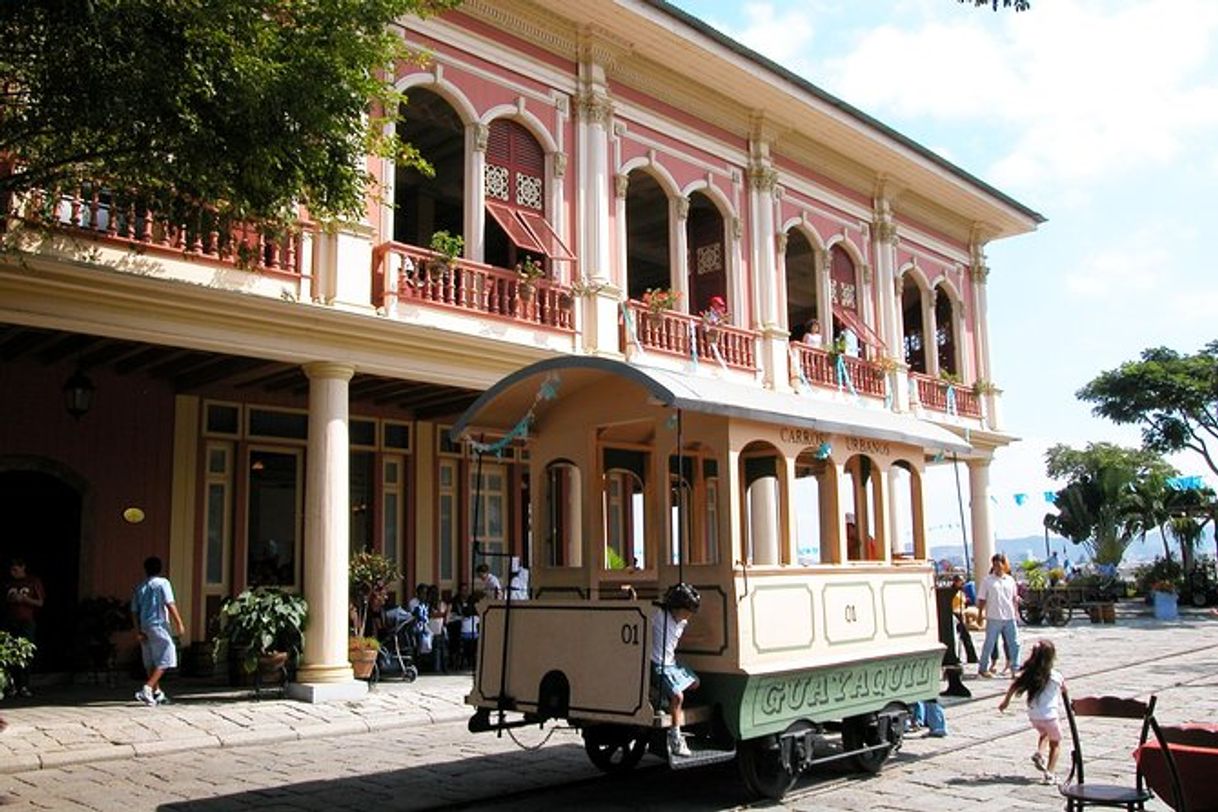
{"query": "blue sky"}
(1100, 114)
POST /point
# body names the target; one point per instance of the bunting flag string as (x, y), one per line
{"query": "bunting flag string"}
(628, 318)
(888, 395)
(1185, 483)
(714, 348)
(951, 400)
(843, 376)
(1050, 497)
(547, 391)
(693, 343)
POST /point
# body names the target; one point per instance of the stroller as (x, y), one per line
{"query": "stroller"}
(396, 657)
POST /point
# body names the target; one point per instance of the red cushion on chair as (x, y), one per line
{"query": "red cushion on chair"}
(1197, 767)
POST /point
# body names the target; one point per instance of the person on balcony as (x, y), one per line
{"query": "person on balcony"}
(812, 335)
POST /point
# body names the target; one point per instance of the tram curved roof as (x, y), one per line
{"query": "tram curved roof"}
(509, 400)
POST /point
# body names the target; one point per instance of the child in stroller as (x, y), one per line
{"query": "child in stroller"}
(399, 643)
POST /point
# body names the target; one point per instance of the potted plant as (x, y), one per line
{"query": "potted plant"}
(369, 575)
(982, 387)
(657, 300)
(263, 626)
(1165, 598)
(15, 652)
(449, 247)
(528, 271)
(98, 620)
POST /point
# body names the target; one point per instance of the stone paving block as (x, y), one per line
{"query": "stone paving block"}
(175, 745)
(86, 754)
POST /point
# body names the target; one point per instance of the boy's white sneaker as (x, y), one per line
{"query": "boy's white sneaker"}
(676, 743)
(160, 697)
(146, 696)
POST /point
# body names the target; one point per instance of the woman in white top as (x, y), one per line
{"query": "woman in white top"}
(1044, 685)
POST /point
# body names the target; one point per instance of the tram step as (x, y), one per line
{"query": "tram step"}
(701, 754)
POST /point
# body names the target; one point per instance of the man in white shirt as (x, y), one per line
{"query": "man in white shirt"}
(996, 602)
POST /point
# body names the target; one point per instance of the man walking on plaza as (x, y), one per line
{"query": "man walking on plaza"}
(153, 607)
(996, 603)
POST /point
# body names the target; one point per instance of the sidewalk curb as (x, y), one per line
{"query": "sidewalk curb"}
(21, 763)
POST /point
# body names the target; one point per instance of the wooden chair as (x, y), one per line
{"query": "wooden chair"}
(1079, 793)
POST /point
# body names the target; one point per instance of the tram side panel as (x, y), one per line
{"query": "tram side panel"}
(590, 660)
(826, 646)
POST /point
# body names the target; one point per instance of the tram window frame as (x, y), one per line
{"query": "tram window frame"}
(563, 517)
(623, 459)
(702, 518)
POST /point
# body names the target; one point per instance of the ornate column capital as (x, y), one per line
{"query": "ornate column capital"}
(682, 208)
(560, 164)
(762, 177)
(885, 227)
(621, 184)
(482, 134)
(737, 229)
(593, 107)
(780, 242)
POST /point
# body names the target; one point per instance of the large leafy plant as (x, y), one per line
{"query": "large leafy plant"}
(263, 620)
(15, 652)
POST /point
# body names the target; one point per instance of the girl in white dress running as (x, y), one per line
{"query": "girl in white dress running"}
(1044, 685)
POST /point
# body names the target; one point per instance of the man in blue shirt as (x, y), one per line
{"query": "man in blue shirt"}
(154, 608)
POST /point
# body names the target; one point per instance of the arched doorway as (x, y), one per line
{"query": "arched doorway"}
(647, 236)
(425, 204)
(707, 253)
(42, 526)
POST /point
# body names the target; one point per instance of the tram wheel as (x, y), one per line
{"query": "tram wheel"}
(615, 750)
(766, 771)
(1057, 609)
(864, 731)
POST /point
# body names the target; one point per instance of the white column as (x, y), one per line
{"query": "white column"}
(824, 296)
(324, 672)
(763, 520)
(979, 503)
(930, 333)
(476, 135)
(679, 247)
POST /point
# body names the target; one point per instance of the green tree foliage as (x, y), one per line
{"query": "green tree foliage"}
(1104, 503)
(251, 106)
(1173, 398)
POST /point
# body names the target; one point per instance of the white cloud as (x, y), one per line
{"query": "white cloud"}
(1086, 87)
(783, 37)
(1120, 272)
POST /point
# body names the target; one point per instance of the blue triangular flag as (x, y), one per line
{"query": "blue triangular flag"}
(1020, 498)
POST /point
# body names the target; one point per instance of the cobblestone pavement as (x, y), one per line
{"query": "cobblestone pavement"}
(405, 746)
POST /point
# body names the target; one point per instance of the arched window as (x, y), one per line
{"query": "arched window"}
(912, 326)
(515, 188)
(648, 262)
(847, 307)
(425, 204)
(707, 253)
(945, 332)
(802, 289)
(764, 508)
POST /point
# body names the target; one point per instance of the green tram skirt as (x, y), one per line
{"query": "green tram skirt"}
(757, 705)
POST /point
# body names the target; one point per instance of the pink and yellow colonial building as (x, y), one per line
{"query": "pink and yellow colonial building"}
(627, 183)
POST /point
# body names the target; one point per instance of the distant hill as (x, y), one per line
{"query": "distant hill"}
(1021, 549)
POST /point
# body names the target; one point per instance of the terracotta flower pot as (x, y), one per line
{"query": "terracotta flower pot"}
(362, 661)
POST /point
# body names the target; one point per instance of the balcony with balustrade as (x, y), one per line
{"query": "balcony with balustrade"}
(680, 335)
(101, 219)
(950, 398)
(406, 274)
(819, 367)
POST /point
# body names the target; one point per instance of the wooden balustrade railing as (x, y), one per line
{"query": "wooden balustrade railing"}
(820, 368)
(413, 274)
(932, 393)
(669, 332)
(197, 231)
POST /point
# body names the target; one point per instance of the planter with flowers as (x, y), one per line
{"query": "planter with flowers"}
(528, 272)
(370, 575)
(1165, 600)
(657, 300)
(449, 248)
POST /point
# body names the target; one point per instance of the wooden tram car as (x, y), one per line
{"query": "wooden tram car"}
(641, 478)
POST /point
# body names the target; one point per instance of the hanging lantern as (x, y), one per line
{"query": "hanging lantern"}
(78, 394)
